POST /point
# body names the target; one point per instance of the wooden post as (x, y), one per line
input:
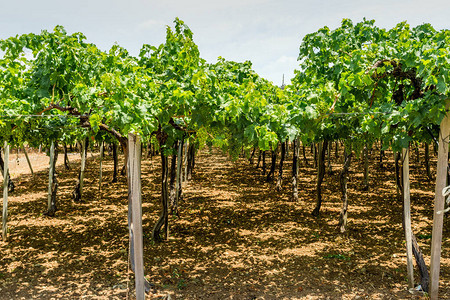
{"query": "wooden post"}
(134, 169)
(178, 172)
(28, 160)
(397, 173)
(343, 179)
(83, 164)
(366, 167)
(5, 192)
(50, 175)
(185, 162)
(329, 158)
(295, 153)
(101, 171)
(438, 218)
(407, 216)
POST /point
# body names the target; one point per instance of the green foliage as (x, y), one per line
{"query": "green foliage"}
(337, 256)
(357, 82)
(383, 84)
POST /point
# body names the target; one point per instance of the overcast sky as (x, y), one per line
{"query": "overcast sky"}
(266, 32)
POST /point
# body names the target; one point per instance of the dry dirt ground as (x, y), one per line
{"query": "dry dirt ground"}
(236, 237)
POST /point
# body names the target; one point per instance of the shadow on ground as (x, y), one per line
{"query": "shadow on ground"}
(236, 237)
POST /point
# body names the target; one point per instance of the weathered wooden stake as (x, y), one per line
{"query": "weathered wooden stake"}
(83, 164)
(50, 175)
(329, 158)
(5, 192)
(295, 153)
(28, 160)
(178, 174)
(343, 179)
(100, 177)
(134, 169)
(407, 216)
(185, 161)
(438, 218)
(366, 167)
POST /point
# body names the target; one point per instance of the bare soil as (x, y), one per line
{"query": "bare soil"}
(236, 236)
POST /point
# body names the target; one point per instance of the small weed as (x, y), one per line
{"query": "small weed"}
(424, 236)
(176, 276)
(181, 284)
